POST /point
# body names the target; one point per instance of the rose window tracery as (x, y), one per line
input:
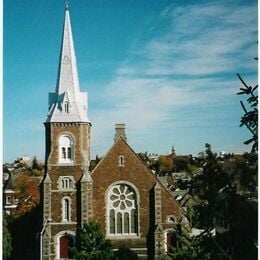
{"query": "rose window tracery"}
(122, 197)
(122, 210)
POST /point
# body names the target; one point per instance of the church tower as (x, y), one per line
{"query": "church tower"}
(67, 185)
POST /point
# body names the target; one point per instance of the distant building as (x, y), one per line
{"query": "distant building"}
(153, 157)
(23, 159)
(9, 196)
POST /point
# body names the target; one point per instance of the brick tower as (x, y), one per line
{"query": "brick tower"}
(67, 183)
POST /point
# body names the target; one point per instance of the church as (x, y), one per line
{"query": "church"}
(134, 209)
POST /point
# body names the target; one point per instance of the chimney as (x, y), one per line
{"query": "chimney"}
(120, 131)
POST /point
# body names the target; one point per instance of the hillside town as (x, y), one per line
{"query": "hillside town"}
(178, 174)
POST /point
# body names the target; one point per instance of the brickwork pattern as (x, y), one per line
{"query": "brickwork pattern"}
(135, 172)
(81, 135)
(52, 192)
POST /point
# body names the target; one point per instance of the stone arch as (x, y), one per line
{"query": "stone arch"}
(66, 147)
(122, 210)
(63, 240)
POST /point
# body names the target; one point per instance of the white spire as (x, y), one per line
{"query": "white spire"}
(67, 104)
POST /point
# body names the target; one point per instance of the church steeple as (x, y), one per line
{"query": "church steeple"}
(67, 182)
(67, 104)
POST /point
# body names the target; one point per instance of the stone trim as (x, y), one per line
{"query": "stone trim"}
(57, 242)
(158, 204)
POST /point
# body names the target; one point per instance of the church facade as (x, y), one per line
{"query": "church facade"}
(121, 193)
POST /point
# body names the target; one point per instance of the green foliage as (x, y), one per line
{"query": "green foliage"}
(243, 171)
(7, 240)
(35, 164)
(250, 117)
(25, 233)
(36, 172)
(94, 163)
(166, 164)
(206, 186)
(125, 253)
(196, 250)
(154, 165)
(5, 169)
(22, 165)
(91, 243)
(27, 193)
(203, 246)
(220, 201)
(36, 169)
(181, 164)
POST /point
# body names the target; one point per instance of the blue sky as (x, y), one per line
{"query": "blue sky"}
(165, 68)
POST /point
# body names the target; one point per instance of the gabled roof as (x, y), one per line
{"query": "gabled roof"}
(8, 185)
(67, 88)
(111, 172)
(118, 140)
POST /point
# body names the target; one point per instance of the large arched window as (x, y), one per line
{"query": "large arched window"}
(122, 210)
(66, 147)
(66, 209)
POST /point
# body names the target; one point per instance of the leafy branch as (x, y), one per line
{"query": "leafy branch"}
(250, 117)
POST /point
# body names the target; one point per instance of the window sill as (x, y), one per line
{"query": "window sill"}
(65, 163)
(123, 236)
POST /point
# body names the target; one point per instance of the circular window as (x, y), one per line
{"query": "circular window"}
(122, 197)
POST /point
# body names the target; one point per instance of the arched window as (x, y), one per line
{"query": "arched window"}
(66, 183)
(66, 106)
(66, 146)
(66, 209)
(122, 210)
(121, 161)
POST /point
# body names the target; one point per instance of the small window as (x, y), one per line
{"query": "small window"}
(15, 200)
(66, 183)
(66, 107)
(8, 200)
(171, 219)
(66, 209)
(121, 161)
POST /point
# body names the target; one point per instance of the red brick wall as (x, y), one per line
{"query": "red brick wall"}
(80, 133)
(135, 172)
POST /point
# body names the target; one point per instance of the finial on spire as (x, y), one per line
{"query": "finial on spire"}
(67, 5)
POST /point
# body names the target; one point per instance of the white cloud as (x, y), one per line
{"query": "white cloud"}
(180, 68)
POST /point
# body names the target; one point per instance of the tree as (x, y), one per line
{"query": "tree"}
(222, 202)
(36, 169)
(91, 243)
(250, 117)
(35, 164)
(206, 187)
(181, 164)
(7, 240)
(27, 193)
(166, 164)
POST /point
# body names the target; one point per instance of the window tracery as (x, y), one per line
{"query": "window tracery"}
(66, 146)
(122, 210)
